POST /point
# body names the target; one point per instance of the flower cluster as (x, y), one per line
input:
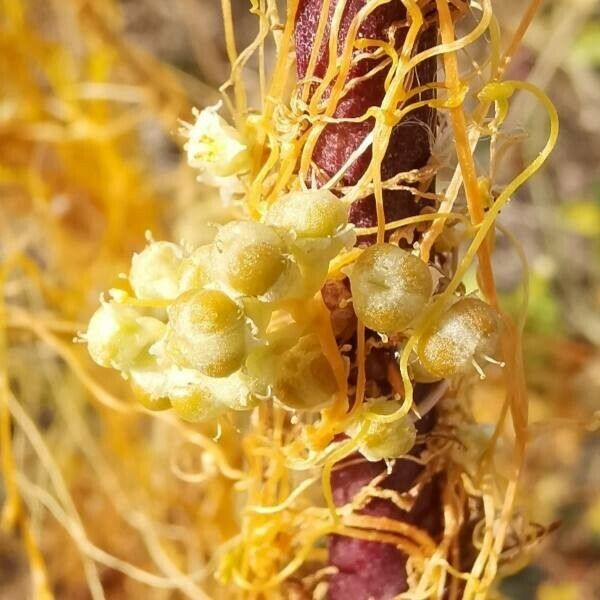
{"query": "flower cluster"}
(214, 328)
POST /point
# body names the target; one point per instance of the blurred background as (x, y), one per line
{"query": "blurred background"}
(90, 158)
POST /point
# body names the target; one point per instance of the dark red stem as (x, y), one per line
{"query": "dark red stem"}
(409, 145)
(373, 570)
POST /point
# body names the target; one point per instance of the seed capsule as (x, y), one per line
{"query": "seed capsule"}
(319, 222)
(310, 214)
(117, 335)
(467, 331)
(207, 332)
(385, 440)
(249, 256)
(304, 379)
(154, 271)
(390, 287)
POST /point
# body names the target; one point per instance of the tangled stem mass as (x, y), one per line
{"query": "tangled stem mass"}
(243, 331)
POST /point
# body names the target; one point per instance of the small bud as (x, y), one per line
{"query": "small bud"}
(384, 440)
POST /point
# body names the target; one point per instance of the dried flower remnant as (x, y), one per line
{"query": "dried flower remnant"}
(304, 378)
(117, 335)
(154, 271)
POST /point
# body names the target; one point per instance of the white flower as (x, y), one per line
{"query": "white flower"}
(214, 146)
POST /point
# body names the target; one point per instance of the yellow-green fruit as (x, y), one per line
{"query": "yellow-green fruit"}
(151, 387)
(310, 214)
(117, 335)
(467, 331)
(304, 379)
(193, 396)
(390, 287)
(198, 404)
(416, 371)
(154, 271)
(207, 333)
(249, 257)
(385, 440)
(318, 220)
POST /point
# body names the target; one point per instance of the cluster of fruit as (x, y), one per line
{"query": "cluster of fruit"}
(391, 291)
(391, 288)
